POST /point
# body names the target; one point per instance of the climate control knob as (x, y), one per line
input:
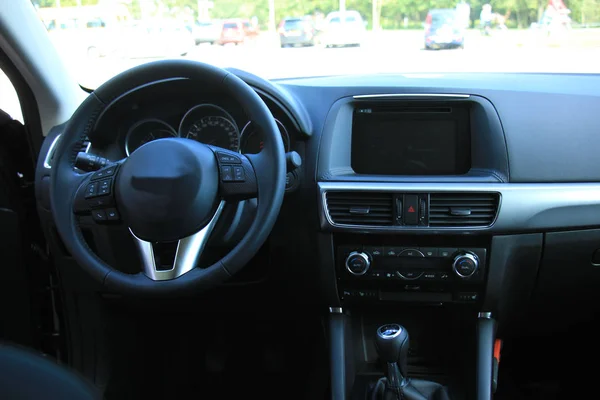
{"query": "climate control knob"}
(358, 263)
(465, 265)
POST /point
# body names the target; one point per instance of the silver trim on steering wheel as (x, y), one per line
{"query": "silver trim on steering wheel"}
(187, 255)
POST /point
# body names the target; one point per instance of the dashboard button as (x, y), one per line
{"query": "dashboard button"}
(409, 275)
(410, 253)
(430, 275)
(374, 251)
(411, 209)
(446, 252)
(228, 158)
(429, 251)
(391, 251)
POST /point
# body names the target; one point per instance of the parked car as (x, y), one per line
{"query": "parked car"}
(207, 31)
(344, 28)
(251, 30)
(234, 32)
(442, 30)
(298, 31)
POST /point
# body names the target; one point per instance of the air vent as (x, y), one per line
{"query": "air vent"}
(462, 209)
(361, 208)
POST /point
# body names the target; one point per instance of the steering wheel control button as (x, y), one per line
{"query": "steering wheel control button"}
(358, 263)
(411, 209)
(91, 190)
(104, 187)
(465, 265)
(100, 202)
(112, 214)
(227, 173)
(410, 253)
(99, 215)
(238, 174)
(104, 173)
(228, 158)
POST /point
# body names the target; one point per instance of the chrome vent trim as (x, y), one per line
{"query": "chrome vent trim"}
(361, 208)
(522, 207)
(463, 209)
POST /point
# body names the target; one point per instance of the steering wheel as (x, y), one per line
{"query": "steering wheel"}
(170, 190)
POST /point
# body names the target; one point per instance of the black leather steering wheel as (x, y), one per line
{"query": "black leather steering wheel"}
(170, 190)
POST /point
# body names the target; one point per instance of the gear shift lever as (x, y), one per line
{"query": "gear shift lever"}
(392, 344)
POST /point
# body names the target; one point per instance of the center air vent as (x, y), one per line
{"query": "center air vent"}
(462, 209)
(360, 208)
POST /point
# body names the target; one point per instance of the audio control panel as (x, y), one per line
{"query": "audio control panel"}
(411, 273)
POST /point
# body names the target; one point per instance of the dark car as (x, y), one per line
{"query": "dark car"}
(297, 32)
(442, 31)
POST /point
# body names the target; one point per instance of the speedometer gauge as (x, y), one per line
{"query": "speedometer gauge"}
(212, 125)
(217, 131)
(147, 131)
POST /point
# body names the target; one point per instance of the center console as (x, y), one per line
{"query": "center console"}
(410, 193)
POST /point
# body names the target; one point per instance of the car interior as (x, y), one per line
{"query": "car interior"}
(189, 231)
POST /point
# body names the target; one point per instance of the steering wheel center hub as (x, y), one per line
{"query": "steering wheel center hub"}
(167, 189)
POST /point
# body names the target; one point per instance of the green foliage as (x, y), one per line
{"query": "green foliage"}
(393, 12)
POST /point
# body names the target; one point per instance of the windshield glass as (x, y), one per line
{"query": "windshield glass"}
(290, 39)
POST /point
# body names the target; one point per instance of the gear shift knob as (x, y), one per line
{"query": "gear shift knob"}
(392, 343)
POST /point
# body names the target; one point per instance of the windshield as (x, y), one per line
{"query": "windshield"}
(272, 39)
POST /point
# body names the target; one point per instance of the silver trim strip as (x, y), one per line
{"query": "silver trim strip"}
(187, 255)
(400, 95)
(52, 149)
(523, 206)
(486, 315)
(50, 152)
(336, 310)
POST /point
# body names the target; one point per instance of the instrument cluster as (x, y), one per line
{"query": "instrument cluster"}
(205, 123)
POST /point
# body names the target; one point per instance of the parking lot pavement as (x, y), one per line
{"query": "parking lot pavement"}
(386, 52)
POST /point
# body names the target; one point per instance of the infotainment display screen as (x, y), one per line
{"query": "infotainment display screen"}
(394, 140)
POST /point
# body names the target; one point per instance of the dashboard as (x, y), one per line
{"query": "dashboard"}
(478, 191)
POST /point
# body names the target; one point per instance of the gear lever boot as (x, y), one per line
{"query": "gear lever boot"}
(392, 343)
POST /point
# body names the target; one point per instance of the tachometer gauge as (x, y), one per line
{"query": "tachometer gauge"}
(210, 124)
(217, 131)
(147, 131)
(252, 140)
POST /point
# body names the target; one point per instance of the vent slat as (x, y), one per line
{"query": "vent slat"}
(483, 207)
(379, 206)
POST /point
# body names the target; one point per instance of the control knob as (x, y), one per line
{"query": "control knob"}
(465, 265)
(358, 263)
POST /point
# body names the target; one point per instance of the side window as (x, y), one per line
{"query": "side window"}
(9, 101)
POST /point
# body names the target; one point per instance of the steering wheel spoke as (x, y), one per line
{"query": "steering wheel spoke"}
(187, 254)
(237, 177)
